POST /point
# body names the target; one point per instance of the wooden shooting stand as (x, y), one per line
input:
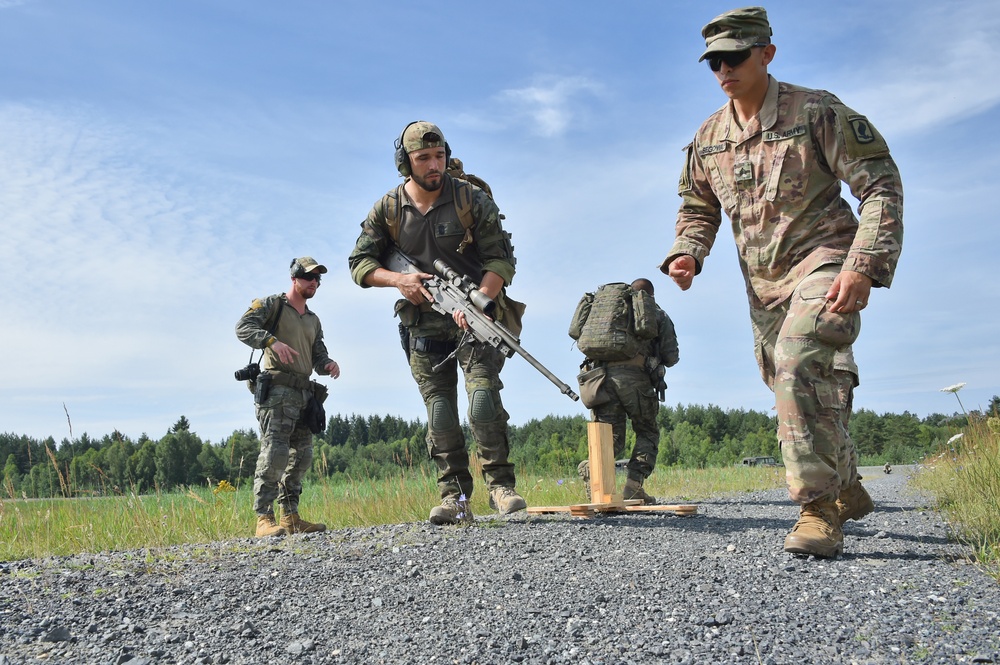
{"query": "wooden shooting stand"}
(604, 495)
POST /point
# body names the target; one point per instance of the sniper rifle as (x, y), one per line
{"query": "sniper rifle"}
(453, 292)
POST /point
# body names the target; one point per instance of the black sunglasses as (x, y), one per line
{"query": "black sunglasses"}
(309, 277)
(733, 59)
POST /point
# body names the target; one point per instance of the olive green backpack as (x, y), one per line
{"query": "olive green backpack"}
(612, 323)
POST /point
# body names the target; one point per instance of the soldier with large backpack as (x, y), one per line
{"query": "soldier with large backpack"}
(434, 215)
(627, 340)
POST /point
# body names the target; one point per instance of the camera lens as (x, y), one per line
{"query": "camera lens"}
(248, 373)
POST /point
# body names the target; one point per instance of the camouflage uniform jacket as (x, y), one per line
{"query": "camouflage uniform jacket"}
(302, 332)
(778, 181)
(437, 235)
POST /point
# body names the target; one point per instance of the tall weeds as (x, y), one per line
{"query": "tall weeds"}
(964, 478)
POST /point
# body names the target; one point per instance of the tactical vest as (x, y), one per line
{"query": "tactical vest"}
(462, 197)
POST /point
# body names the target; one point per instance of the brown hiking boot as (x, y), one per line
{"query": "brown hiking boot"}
(583, 470)
(505, 500)
(267, 527)
(854, 503)
(292, 523)
(633, 490)
(817, 532)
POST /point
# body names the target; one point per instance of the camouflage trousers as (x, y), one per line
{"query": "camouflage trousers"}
(481, 365)
(632, 396)
(804, 354)
(286, 451)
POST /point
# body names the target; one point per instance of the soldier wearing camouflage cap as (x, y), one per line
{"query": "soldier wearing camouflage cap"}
(292, 339)
(423, 217)
(772, 160)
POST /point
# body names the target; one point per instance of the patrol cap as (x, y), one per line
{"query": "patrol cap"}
(302, 265)
(422, 134)
(736, 30)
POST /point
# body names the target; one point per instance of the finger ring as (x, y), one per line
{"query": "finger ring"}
(860, 303)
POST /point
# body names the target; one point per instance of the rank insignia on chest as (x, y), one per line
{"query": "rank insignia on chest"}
(743, 171)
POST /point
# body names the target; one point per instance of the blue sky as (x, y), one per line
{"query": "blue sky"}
(162, 162)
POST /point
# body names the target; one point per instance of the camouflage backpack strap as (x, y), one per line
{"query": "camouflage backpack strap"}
(390, 203)
(463, 206)
(271, 322)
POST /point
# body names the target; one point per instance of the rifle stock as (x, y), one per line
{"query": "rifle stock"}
(453, 292)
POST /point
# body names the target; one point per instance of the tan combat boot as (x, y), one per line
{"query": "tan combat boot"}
(633, 490)
(267, 527)
(292, 523)
(817, 532)
(453, 509)
(505, 500)
(854, 503)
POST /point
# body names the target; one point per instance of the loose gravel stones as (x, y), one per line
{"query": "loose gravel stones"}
(715, 587)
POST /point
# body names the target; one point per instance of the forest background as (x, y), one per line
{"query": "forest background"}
(373, 446)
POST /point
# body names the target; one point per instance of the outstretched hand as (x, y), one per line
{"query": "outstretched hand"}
(682, 270)
(285, 353)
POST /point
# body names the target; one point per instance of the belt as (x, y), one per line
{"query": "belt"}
(290, 380)
(638, 361)
(428, 345)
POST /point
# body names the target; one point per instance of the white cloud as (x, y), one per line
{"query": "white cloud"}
(934, 71)
(550, 104)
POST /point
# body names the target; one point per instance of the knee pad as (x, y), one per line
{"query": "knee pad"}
(441, 414)
(482, 407)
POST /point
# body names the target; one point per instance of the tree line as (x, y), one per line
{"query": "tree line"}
(377, 446)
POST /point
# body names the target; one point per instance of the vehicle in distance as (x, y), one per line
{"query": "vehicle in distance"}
(759, 461)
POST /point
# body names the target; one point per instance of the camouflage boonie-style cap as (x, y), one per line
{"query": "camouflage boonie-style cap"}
(736, 30)
(302, 265)
(422, 134)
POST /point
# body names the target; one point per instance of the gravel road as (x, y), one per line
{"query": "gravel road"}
(715, 587)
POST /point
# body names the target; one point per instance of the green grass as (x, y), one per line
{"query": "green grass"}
(60, 527)
(965, 481)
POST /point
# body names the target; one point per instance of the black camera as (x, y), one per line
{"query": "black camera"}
(248, 373)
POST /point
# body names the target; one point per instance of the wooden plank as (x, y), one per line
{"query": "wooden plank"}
(677, 509)
(631, 506)
(601, 449)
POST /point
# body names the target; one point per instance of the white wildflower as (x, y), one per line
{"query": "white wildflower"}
(953, 389)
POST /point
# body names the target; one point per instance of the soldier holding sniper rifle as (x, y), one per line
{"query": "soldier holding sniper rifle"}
(434, 216)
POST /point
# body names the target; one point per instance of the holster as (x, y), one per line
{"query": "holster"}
(262, 388)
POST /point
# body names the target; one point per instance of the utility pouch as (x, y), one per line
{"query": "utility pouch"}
(592, 392)
(320, 391)
(263, 388)
(407, 312)
(314, 415)
(511, 313)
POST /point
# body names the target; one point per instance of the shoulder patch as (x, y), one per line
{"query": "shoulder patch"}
(797, 130)
(256, 304)
(861, 139)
